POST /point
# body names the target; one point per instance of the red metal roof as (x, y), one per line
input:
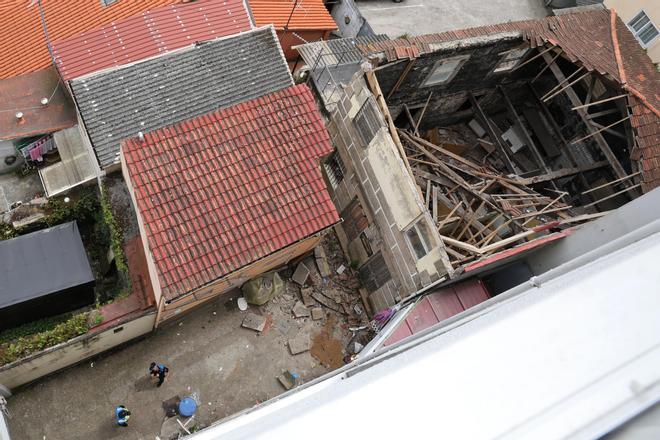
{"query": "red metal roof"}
(438, 306)
(149, 34)
(307, 14)
(227, 188)
(23, 46)
(23, 94)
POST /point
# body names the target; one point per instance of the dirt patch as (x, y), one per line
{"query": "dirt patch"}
(122, 206)
(325, 348)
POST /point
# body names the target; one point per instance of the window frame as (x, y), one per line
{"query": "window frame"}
(416, 226)
(462, 59)
(518, 61)
(636, 33)
(333, 164)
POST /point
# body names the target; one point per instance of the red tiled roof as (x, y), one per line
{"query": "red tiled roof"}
(225, 189)
(148, 34)
(307, 15)
(584, 37)
(23, 46)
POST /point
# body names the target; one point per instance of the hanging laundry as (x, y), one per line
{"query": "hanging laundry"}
(35, 154)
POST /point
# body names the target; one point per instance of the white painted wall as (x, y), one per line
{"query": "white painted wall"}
(71, 352)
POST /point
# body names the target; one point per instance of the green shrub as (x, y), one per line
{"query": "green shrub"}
(25, 345)
(7, 231)
(116, 234)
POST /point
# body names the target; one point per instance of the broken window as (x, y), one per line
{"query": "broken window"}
(419, 239)
(335, 170)
(367, 122)
(445, 70)
(643, 28)
(374, 273)
(354, 220)
(510, 59)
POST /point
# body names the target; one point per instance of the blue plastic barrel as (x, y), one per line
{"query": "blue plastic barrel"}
(187, 407)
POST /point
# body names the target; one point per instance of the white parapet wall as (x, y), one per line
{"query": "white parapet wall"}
(55, 358)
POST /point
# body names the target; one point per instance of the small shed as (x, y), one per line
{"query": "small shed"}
(42, 274)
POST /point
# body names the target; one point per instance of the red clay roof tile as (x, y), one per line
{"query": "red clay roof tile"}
(23, 46)
(230, 197)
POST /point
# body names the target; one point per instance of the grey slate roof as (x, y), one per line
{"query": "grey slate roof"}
(41, 263)
(151, 94)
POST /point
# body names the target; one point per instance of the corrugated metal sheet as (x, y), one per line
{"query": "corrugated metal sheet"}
(438, 306)
(296, 15)
(149, 34)
(228, 188)
(337, 51)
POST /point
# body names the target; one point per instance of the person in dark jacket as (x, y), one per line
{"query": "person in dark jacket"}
(159, 371)
(122, 414)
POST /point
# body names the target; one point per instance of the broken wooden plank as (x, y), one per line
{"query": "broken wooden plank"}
(613, 195)
(612, 182)
(594, 133)
(583, 106)
(422, 113)
(564, 172)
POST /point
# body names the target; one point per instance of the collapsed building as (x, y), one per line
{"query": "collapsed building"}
(454, 147)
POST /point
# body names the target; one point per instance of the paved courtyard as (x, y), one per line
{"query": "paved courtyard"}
(228, 367)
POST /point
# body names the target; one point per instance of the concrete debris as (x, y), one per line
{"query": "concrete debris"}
(306, 294)
(341, 269)
(358, 309)
(322, 261)
(242, 304)
(317, 313)
(299, 344)
(301, 274)
(254, 322)
(289, 379)
(300, 311)
(328, 302)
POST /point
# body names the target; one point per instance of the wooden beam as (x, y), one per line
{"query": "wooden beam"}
(597, 132)
(590, 90)
(609, 131)
(564, 172)
(582, 106)
(410, 118)
(612, 182)
(603, 113)
(421, 115)
(402, 77)
(528, 139)
(570, 84)
(561, 83)
(492, 132)
(613, 195)
(538, 75)
(532, 59)
(602, 144)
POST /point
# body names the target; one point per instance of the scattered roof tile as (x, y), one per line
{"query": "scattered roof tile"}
(148, 34)
(228, 188)
(300, 15)
(23, 46)
(153, 93)
(23, 94)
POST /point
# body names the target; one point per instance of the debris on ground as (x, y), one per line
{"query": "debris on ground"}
(306, 294)
(328, 302)
(317, 313)
(262, 289)
(301, 274)
(299, 344)
(322, 261)
(171, 406)
(300, 311)
(341, 269)
(289, 379)
(242, 304)
(326, 348)
(254, 322)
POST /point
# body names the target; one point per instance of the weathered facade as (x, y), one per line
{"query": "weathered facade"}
(386, 230)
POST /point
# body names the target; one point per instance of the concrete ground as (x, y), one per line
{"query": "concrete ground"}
(14, 188)
(228, 367)
(419, 17)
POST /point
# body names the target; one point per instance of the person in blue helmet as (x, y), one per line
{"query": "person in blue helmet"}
(122, 414)
(159, 371)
